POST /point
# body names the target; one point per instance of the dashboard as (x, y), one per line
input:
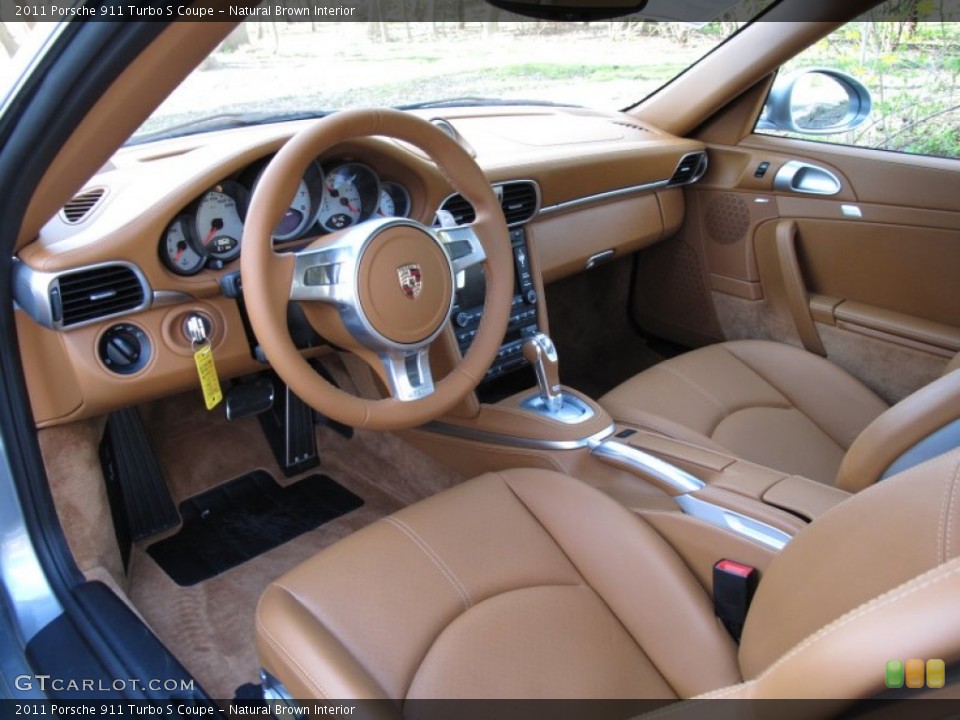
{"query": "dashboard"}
(105, 291)
(330, 196)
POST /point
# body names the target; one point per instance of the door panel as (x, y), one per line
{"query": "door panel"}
(875, 264)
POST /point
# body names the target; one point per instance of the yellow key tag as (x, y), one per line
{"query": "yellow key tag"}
(209, 382)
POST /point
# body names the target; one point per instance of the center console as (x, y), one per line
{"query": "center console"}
(468, 309)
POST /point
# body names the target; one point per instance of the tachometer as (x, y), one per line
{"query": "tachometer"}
(178, 249)
(220, 221)
(394, 200)
(351, 193)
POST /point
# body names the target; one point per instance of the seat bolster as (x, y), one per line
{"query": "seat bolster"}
(840, 661)
(638, 575)
(834, 400)
(294, 645)
(860, 549)
(897, 430)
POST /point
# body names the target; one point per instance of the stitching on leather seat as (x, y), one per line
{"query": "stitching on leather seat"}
(791, 402)
(911, 587)
(703, 391)
(948, 518)
(297, 667)
(434, 558)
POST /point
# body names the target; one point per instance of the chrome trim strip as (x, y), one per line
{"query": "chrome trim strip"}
(25, 588)
(729, 520)
(669, 474)
(602, 197)
(162, 298)
(484, 436)
(31, 291)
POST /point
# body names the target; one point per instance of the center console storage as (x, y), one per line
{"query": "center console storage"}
(798, 496)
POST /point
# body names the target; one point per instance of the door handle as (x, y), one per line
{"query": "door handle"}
(794, 288)
(801, 177)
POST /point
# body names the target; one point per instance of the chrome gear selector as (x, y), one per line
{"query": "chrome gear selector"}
(540, 352)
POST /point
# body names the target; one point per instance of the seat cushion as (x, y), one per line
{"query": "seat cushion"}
(524, 583)
(766, 402)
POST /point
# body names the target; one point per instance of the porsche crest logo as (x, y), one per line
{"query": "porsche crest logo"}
(411, 280)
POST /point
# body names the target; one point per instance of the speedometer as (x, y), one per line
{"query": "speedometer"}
(351, 193)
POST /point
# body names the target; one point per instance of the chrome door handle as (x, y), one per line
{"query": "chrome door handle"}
(801, 177)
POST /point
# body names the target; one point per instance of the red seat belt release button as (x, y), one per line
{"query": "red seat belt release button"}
(733, 587)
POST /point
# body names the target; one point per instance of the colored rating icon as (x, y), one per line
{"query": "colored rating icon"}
(915, 673)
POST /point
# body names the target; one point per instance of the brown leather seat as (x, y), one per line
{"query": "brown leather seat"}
(528, 583)
(783, 407)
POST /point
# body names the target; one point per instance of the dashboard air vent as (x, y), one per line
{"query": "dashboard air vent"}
(81, 205)
(520, 201)
(461, 210)
(690, 169)
(96, 293)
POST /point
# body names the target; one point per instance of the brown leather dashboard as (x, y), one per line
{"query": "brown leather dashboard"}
(606, 182)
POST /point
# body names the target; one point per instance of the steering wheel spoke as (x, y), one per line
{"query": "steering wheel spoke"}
(325, 274)
(462, 246)
(408, 373)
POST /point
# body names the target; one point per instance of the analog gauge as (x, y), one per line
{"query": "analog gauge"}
(394, 200)
(351, 194)
(303, 209)
(220, 221)
(178, 249)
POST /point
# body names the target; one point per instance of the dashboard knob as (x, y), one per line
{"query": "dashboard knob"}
(124, 349)
(462, 319)
(531, 297)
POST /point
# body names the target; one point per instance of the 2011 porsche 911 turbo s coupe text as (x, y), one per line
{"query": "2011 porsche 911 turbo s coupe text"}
(424, 351)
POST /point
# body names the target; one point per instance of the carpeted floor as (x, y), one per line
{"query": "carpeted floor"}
(597, 346)
(210, 626)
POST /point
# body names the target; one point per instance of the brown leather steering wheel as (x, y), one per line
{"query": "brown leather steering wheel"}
(382, 289)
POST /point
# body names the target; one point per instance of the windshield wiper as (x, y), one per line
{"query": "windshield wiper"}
(478, 102)
(225, 121)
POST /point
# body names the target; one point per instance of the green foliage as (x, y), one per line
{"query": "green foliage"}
(912, 70)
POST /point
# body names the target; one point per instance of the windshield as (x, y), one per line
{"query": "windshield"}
(266, 71)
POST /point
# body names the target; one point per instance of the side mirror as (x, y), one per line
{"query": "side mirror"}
(816, 102)
(571, 10)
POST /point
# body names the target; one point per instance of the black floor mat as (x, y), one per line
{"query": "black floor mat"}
(243, 518)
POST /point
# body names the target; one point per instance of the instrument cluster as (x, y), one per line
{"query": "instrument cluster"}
(330, 197)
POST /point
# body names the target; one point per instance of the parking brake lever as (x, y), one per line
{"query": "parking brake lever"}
(540, 351)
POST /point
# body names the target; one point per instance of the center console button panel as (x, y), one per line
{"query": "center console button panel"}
(468, 309)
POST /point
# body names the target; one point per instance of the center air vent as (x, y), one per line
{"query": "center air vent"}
(82, 205)
(690, 169)
(520, 201)
(99, 292)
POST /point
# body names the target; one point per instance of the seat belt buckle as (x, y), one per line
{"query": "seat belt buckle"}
(733, 587)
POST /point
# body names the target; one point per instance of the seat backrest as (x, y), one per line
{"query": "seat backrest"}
(874, 579)
(919, 427)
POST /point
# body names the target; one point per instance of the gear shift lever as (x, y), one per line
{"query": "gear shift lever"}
(540, 351)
